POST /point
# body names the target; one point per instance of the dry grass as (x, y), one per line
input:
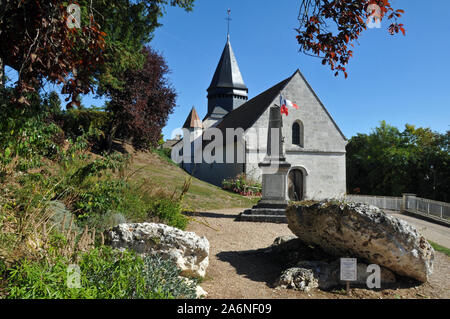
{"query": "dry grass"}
(162, 176)
(26, 229)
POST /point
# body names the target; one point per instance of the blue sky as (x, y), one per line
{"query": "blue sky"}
(394, 78)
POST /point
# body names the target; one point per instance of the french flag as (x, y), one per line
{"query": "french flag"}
(284, 103)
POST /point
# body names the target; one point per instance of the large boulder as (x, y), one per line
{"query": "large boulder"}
(345, 229)
(189, 251)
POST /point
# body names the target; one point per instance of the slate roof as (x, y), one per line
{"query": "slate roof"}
(192, 121)
(227, 74)
(247, 114)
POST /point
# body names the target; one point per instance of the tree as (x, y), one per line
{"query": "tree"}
(129, 25)
(37, 42)
(140, 110)
(391, 162)
(348, 19)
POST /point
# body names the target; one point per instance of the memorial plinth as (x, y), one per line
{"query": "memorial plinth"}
(272, 206)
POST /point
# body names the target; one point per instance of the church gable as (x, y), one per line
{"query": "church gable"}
(308, 128)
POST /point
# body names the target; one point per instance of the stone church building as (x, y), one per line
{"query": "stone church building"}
(313, 143)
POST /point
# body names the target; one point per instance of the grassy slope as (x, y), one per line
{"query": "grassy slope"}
(201, 195)
(440, 248)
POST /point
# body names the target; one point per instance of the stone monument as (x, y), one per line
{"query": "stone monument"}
(272, 206)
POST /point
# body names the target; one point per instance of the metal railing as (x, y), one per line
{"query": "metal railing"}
(383, 202)
(408, 203)
(427, 206)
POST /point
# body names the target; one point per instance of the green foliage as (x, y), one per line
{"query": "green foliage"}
(391, 162)
(169, 211)
(165, 154)
(104, 274)
(28, 133)
(165, 275)
(241, 184)
(99, 198)
(128, 25)
(75, 122)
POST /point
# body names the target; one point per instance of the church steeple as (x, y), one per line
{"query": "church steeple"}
(192, 120)
(227, 88)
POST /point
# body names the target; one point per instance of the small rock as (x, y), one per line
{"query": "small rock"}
(201, 293)
(299, 279)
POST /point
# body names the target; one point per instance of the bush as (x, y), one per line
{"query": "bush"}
(104, 274)
(242, 185)
(100, 198)
(75, 122)
(28, 133)
(169, 211)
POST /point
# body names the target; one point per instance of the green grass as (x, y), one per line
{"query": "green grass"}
(440, 248)
(201, 195)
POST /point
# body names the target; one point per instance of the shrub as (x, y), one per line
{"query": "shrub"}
(169, 211)
(75, 122)
(242, 185)
(104, 273)
(101, 197)
(28, 134)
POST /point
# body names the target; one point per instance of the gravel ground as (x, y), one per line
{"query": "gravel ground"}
(237, 271)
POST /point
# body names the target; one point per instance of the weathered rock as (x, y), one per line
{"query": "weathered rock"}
(326, 275)
(366, 232)
(283, 239)
(189, 251)
(201, 293)
(299, 279)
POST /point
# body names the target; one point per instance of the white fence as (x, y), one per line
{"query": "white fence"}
(428, 207)
(383, 202)
(409, 203)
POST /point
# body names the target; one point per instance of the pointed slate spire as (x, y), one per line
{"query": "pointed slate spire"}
(227, 73)
(227, 88)
(192, 121)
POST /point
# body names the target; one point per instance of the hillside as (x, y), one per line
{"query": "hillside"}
(162, 173)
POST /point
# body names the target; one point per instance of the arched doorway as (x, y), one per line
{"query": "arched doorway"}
(295, 185)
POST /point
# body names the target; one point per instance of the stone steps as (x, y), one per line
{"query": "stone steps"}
(263, 215)
(266, 211)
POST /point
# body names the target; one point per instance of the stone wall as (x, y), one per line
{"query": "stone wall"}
(322, 156)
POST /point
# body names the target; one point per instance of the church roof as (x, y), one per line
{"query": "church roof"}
(247, 114)
(192, 121)
(227, 74)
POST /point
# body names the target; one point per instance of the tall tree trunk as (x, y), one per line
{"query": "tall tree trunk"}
(112, 133)
(2, 73)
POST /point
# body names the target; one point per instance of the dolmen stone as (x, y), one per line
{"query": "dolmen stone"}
(189, 251)
(345, 229)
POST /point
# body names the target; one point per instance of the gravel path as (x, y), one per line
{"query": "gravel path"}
(237, 271)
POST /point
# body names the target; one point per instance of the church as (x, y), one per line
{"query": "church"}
(313, 143)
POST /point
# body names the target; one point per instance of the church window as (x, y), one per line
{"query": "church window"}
(297, 134)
